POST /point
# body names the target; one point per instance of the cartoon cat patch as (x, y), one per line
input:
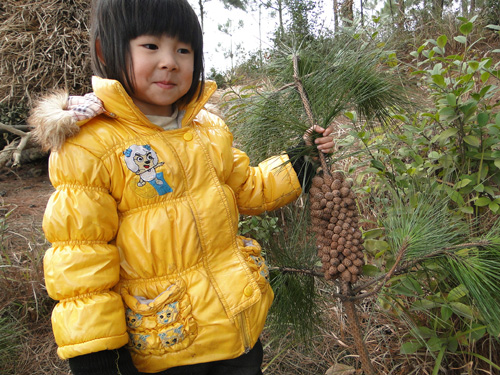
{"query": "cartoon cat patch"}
(172, 336)
(143, 161)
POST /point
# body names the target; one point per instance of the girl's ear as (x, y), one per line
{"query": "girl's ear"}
(99, 51)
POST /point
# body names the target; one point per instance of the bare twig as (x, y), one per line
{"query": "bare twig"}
(13, 151)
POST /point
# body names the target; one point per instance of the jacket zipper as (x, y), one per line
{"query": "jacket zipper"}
(244, 332)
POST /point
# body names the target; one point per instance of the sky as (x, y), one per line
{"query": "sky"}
(248, 36)
(215, 14)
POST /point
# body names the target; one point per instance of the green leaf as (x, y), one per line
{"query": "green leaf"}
(494, 207)
(467, 210)
(472, 140)
(447, 113)
(455, 196)
(378, 165)
(413, 285)
(474, 65)
(466, 28)
(462, 310)
(457, 293)
(423, 304)
(370, 270)
(351, 116)
(462, 183)
(434, 344)
(479, 188)
(401, 117)
(438, 79)
(477, 331)
(485, 76)
(497, 163)
(373, 233)
(452, 344)
(494, 27)
(483, 201)
(410, 347)
(423, 332)
(461, 39)
(375, 246)
(441, 138)
(446, 313)
(441, 41)
(482, 119)
(451, 99)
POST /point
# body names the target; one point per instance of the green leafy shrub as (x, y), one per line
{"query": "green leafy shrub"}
(437, 181)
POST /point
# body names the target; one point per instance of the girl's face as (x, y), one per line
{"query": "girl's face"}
(162, 72)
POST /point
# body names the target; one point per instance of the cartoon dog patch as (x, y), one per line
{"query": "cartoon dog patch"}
(143, 161)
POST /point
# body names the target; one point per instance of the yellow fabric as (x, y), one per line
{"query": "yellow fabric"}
(152, 260)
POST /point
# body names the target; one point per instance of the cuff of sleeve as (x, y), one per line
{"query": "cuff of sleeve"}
(106, 362)
(302, 165)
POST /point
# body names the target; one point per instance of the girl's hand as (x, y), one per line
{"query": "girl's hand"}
(325, 143)
(85, 107)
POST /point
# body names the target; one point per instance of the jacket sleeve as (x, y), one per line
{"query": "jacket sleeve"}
(82, 265)
(270, 185)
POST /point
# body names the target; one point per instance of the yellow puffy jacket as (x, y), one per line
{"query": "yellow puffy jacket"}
(143, 226)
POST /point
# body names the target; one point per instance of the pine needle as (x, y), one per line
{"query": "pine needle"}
(295, 310)
(422, 222)
(338, 75)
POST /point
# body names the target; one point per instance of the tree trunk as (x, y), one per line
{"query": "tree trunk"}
(336, 14)
(347, 10)
(202, 12)
(392, 12)
(361, 11)
(260, 35)
(465, 10)
(437, 9)
(280, 15)
(401, 16)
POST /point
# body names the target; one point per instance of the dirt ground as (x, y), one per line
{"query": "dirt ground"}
(26, 191)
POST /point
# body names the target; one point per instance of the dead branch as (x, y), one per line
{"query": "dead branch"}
(14, 149)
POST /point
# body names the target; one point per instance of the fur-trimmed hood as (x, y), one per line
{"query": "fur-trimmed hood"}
(59, 116)
(51, 121)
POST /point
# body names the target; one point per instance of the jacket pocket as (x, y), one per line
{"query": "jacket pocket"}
(251, 251)
(161, 324)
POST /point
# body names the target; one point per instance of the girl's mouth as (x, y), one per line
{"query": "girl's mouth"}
(165, 84)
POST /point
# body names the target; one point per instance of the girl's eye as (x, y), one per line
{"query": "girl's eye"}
(184, 50)
(150, 46)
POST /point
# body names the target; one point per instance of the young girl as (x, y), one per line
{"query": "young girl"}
(145, 262)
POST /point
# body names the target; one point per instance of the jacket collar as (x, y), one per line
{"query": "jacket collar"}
(118, 103)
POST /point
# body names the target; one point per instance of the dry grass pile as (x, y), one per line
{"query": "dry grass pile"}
(44, 45)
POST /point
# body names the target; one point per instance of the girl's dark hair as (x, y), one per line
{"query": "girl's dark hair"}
(115, 23)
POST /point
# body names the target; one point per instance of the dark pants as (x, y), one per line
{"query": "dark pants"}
(246, 364)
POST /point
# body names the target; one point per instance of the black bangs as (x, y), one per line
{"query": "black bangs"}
(156, 17)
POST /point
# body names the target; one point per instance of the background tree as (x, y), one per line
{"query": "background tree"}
(238, 4)
(228, 29)
(347, 10)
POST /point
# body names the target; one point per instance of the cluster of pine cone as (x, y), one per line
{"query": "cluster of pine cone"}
(334, 218)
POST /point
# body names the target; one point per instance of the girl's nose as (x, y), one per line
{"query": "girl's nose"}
(168, 61)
